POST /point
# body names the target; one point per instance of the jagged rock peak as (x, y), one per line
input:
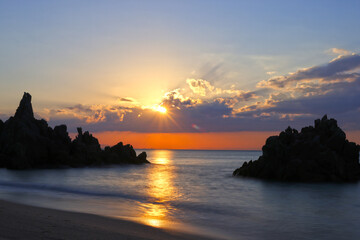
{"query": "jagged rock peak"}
(25, 109)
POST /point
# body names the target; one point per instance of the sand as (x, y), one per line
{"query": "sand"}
(19, 221)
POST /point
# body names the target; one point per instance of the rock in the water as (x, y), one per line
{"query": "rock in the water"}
(120, 154)
(316, 154)
(142, 157)
(26, 142)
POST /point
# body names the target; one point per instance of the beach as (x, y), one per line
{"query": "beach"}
(18, 221)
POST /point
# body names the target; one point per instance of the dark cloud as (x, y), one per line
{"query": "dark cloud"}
(296, 100)
(337, 66)
(338, 101)
(79, 108)
(334, 70)
(208, 117)
(214, 116)
(126, 100)
(342, 102)
(174, 99)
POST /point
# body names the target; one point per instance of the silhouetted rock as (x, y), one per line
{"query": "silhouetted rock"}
(25, 110)
(26, 142)
(1, 126)
(142, 157)
(316, 154)
(120, 154)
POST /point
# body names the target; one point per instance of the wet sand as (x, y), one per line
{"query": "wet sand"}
(19, 221)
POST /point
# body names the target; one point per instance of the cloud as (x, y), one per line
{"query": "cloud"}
(202, 87)
(338, 51)
(341, 100)
(232, 96)
(294, 99)
(335, 70)
(92, 113)
(174, 99)
(239, 98)
(126, 99)
(271, 73)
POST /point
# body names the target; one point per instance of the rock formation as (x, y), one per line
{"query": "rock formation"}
(316, 154)
(1, 126)
(26, 142)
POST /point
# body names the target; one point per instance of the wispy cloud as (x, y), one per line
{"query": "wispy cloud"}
(338, 51)
(271, 72)
(127, 99)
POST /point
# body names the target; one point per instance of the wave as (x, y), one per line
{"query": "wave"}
(192, 206)
(62, 189)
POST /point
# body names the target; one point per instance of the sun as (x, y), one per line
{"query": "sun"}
(160, 109)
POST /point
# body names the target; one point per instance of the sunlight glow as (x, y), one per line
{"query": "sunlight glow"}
(160, 109)
(161, 161)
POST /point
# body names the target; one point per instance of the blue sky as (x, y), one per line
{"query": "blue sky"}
(78, 58)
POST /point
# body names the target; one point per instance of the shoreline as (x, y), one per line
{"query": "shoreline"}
(19, 221)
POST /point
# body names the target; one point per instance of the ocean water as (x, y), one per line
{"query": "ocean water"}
(194, 191)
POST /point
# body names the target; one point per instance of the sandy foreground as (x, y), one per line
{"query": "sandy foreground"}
(19, 221)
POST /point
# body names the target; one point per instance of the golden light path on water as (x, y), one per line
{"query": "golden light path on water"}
(160, 190)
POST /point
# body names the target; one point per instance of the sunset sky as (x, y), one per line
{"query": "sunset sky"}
(183, 74)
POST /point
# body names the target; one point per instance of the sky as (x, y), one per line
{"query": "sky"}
(227, 73)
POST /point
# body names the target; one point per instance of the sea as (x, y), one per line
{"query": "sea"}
(194, 191)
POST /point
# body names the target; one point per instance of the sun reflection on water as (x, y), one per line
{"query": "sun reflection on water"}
(161, 160)
(160, 190)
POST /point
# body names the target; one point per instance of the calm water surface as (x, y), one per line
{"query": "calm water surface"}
(195, 191)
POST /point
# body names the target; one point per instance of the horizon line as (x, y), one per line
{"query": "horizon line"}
(189, 149)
